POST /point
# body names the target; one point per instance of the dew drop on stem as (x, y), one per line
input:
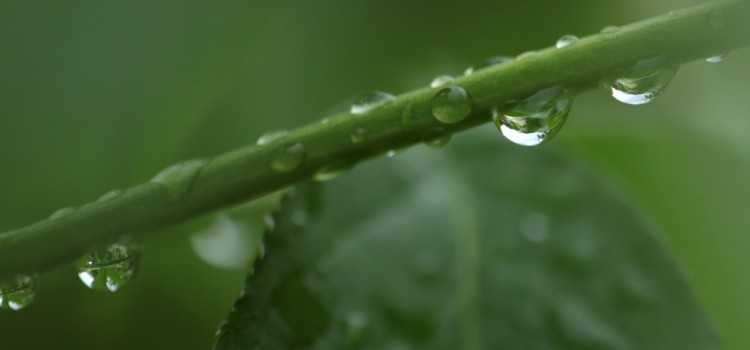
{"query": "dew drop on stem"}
(18, 291)
(366, 102)
(641, 83)
(451, 105)
(111, 267)
(537, 118)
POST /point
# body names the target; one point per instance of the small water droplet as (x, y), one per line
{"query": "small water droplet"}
(407, 114)
(288, 158)
(534, 227)
(489, 62)
(178, 179)
(61, 213)
(609, 29)
(441, 80)
(109, 268)
(370, 100)
(272, 136)
(332, 171)
(110, 196)
(641, 83)
(537, 118)
(527, 54)
(717, 19)
(436, 138)
(566, 40)
(716, 59)
(390, 154)
(358, 136)
(451, 105)
(17, 292)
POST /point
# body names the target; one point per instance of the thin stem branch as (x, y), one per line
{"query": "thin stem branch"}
(246, 173)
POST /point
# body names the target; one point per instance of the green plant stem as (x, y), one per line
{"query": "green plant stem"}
(245, 173)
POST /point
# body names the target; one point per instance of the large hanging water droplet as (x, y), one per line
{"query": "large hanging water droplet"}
(537, 118)
(287, 158)
(358, 136)
(17, 292)
(110, 196)
(111, 267)
(441, 80)
(178, 179)
(489, 62)
(370, 100)
(451, 105)
(566, 40)
(272, 136)
(61, 213)
(641, 83)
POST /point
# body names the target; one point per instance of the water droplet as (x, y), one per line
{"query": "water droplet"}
(609, 29)
(451, 105)
(441, 80)
(178, 179)
(527, 54)
(717, 19)
(61, 213)
(716, 59)
(566, 40)
(288, 158)
(332, 171)
(370, 100)
(534, 227)
(111, 267)
(110, 196)
(17, 292)
(407, 114)
(436, 138)
(489, 62)
(358, 136)
(537, 118)
(272, 136)
(390, 154)
(641, 83)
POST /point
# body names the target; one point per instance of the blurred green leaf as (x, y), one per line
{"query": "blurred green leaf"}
(504, 249)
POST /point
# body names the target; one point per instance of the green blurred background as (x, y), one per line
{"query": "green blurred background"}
(101, 95)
